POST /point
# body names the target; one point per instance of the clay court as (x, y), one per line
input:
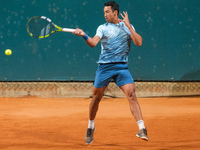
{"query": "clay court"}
(173, 123)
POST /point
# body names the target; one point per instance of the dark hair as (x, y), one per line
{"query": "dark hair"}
(114, 6)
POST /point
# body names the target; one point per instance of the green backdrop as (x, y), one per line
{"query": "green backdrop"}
(170, 31)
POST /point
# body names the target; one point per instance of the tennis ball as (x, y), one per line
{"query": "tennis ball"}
(8, 52)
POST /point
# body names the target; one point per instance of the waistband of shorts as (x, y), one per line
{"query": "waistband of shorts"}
(113, 63)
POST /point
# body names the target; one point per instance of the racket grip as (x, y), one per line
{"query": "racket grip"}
(68, 30)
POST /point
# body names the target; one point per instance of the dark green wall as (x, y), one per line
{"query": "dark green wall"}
(170, 31)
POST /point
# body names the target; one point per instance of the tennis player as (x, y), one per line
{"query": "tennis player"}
(115, 37)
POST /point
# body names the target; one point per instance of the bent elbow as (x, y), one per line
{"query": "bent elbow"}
(138, 41)
(92, 46)
(138, 44)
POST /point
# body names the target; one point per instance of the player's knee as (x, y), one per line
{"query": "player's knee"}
(96, 98)
(132, 96)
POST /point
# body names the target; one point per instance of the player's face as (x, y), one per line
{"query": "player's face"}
(109, 14)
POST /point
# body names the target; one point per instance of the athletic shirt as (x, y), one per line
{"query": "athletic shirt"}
(115, 42)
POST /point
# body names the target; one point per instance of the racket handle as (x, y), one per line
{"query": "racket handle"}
(68, 30)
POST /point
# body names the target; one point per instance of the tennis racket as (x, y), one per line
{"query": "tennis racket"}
(42, 27)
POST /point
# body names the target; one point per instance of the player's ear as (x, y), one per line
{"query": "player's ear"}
(115, 13)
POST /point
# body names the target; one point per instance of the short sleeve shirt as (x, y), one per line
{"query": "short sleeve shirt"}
(115, 42)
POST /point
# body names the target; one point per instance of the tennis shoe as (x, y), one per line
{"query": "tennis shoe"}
(142, 134)
(89, 135)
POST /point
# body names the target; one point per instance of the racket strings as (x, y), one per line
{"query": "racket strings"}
(40, 28)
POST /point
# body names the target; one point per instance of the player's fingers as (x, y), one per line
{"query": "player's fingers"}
(125, 13)
(122, 15)
(77, 31)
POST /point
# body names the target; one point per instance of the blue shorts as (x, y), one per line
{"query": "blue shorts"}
(117, 71)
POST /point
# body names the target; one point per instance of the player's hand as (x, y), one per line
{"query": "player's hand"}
(125, 19)
(79, 32)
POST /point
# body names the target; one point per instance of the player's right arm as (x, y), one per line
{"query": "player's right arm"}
(92, 42)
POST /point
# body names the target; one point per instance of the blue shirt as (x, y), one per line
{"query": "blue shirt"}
(115, 42)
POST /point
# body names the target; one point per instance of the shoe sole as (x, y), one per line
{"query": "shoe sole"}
(90, 142)
(143, 138)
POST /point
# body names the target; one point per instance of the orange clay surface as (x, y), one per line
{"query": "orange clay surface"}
(32, 123)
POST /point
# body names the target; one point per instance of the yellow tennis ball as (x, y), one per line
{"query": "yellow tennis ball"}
(8, 52)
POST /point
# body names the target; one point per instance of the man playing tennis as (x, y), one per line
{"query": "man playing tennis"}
(115, 37)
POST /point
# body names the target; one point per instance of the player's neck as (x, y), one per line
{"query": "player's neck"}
(115, 20)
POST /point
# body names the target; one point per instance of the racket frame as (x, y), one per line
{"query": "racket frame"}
(59, 29)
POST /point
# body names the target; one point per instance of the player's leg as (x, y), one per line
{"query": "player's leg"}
(102, 80)
(93, 108)
(94, 104)
(129, 91)
(125, 81)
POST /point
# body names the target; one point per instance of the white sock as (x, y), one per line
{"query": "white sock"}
(91, 124)
(141, 124)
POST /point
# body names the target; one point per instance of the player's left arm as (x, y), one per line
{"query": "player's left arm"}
(92, 42)
(137, 39)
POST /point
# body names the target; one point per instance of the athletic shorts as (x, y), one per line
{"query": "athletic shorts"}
(117, 71)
